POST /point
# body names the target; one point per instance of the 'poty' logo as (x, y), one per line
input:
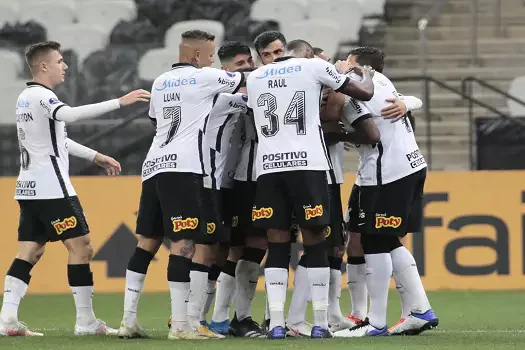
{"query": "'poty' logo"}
(210, 227)
(185, 224)
(310, 213)
(263, 213)
(64, 225)
(392, 221)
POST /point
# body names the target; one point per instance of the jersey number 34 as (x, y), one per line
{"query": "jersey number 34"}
(295, 113)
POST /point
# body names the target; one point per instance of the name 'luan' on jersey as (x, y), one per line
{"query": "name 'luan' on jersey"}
(397, 154)
(285, 97)
(181, 101)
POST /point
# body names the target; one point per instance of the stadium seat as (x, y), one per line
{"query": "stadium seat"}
(50, 13)
(81, 38)
(347, 13)
(285, 12)
(157, 61)
(373, 7)
(322, 33)
(8, 13)
(517, 89)
(11, 65)
(172, 38)
(105, 14)
(9, 91)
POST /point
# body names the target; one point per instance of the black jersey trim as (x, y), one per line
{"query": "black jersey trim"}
(241, 83)
(345, 83)
(59, 176)
(53, 134)
(360, 119)
(331, 171)
(201, 155)
(220, 133)
(213, 159)
(251, 158)
(54, 115)
(182, 65)
(324, 147)
(34, 83)
(379, 172)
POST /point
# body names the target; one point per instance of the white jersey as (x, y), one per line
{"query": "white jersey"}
(397, 154)
(181, 101)
(285, 97)
(245, 170)
(218, 134)
(337, 154)
(234, 154)
(44, 158)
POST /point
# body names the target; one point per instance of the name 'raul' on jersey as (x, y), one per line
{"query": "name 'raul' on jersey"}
(285, 97)
(397, 154)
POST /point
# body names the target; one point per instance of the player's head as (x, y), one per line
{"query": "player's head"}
(300, 49)
(319, 53)
(46, 62)
(270, 46)
(197, 47)
(368, 56)
(235, 55)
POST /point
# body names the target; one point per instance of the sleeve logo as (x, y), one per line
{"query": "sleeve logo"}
(392, 221)
(64, 225)
(53, 101)
(185, 224)
(263, 213)
(310, 213)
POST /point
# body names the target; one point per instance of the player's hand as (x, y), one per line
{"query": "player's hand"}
(395, 111)
(332, 127)
(343, 67)
(135, 96)
(367, 71)
(111, 166)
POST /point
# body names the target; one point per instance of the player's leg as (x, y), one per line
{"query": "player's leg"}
(296, 321)
(272, 211)
(150, 233)
(32, 239)
(311, 203)
(406, 304)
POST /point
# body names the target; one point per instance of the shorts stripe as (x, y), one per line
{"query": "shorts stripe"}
(379, 171)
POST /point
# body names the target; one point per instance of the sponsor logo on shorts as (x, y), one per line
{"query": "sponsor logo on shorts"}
(180, 224)
(391, 221)
(310, 213)
(285, 160)
(64, 225)
(327, 231)
(263, 213)
(210, 228)
(235, 221)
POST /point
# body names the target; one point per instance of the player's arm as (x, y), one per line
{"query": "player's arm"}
(71, 114)
(400, 107)
(111, 166)
(333, 104)
(365, 130)
(221, 81)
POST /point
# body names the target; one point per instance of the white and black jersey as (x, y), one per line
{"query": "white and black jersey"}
(336, 153)
(218, 135)
(285, 97)
(233, 157)
(245, 170)
(397, 155)
(181, 101)
(44, 157)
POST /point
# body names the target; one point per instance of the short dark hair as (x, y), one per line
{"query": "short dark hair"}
(266, 38)
(196, 34)
(370, 56)
(301, 46)
(36, 50)
(317, 50)
(231, 49)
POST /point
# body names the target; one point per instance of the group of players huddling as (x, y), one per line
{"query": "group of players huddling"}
(244, 159)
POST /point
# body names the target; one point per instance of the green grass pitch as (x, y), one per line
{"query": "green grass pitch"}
(468, 320)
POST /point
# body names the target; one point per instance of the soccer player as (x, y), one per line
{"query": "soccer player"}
(49, 207)
(291, 164)
(384, 205)
(172, 200)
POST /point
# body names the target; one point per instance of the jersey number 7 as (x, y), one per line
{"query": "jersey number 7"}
(174, 114)
(295, 113)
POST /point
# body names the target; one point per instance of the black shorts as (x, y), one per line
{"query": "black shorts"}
(395, 208)
(242, 225)
(335, 232)
(304, 193)
(172, 206)
(51, 220)
(227, 206)
(214, 217)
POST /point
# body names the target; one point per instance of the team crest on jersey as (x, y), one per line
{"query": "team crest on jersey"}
(382, 221)
(180, 224)
(262, 213)
(210, 228)
(64, 225)
(310, 213)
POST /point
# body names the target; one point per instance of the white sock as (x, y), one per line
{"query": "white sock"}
(14, 291)
(198, 287)
(84, 303)
(276, 286)
(378, 273)
(179, 292)
(319, 278)
(266, 305)
(405, 299)
(408, 276)
(210, 293)
(334, 293)
(301, 292)
(225, 294)
(246, 276)
(357, 288)
(134, 286)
